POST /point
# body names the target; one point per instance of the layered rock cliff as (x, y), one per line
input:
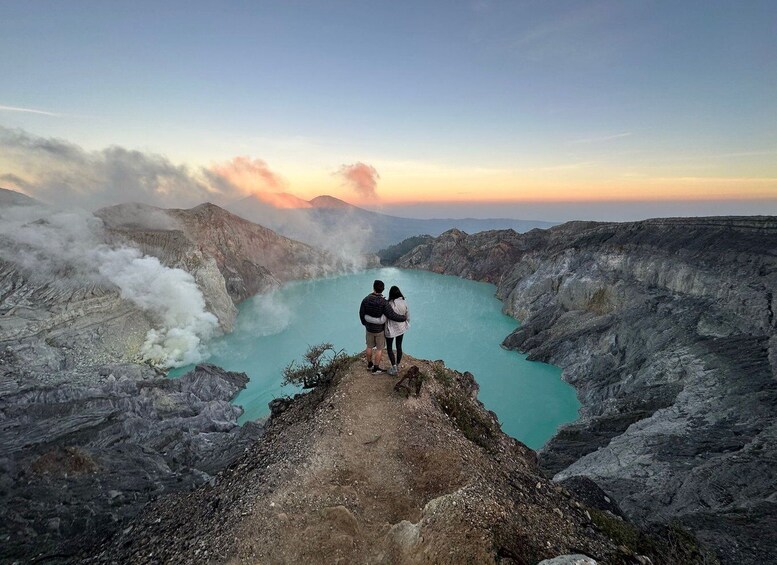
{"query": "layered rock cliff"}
(666, 328)
(230, 258)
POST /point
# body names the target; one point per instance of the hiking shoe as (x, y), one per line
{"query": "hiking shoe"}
(369, 365)
(393, 371)
(376, 370)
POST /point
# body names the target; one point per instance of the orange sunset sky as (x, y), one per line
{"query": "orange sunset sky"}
(569, 110)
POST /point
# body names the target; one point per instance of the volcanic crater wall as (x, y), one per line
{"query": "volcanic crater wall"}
(89, 433)
(666, 329)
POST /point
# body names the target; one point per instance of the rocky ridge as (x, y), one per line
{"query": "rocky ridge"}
(13, 198)
(354, 472)
(231, 258)
(666, 329)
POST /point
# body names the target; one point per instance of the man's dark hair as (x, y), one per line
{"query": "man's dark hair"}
(378, 286)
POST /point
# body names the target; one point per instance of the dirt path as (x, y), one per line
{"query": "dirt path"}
(380, 467)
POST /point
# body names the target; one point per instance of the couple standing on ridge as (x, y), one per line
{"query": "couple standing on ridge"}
(384, 320)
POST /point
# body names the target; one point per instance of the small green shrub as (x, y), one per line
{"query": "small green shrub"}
(619, 531)
(665, 544)
(319, 366)
(472, 421)
(675, 544)
(442, 375)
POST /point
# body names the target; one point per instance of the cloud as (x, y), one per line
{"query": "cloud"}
(601, 138)
(17, 182)
(65, 174)
(245, 175)
(62, 173)
(562, 167)
(568, 34)
(362, 178)
(4, 108)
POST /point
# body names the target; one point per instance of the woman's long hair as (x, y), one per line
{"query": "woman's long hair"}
(395, 293)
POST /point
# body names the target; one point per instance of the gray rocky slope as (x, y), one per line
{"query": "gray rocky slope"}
(89, 433)
(666, 328)
(77, 460)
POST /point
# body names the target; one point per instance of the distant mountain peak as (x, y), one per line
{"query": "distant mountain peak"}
(326, 201)
(14, 198)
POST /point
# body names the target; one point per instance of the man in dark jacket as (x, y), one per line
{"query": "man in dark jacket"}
(376, 306)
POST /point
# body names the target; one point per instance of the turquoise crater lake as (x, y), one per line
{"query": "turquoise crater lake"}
(453, 319)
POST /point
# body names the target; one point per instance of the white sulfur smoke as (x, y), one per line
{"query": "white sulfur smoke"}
(66, 248)
(270, 315)
(50, 245)
(171, 295)
(343, 233)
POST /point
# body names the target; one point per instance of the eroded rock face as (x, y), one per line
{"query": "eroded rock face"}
(666, 329)
(250, 258)
(78, 458)
(62, 327)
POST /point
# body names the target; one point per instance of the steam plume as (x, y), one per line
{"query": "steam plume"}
(67, 248)
(171, 295)
(362, 178)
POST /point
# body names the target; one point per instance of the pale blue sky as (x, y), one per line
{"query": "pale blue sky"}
(588, 92)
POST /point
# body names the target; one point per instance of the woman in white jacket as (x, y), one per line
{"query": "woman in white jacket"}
(394, 330)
